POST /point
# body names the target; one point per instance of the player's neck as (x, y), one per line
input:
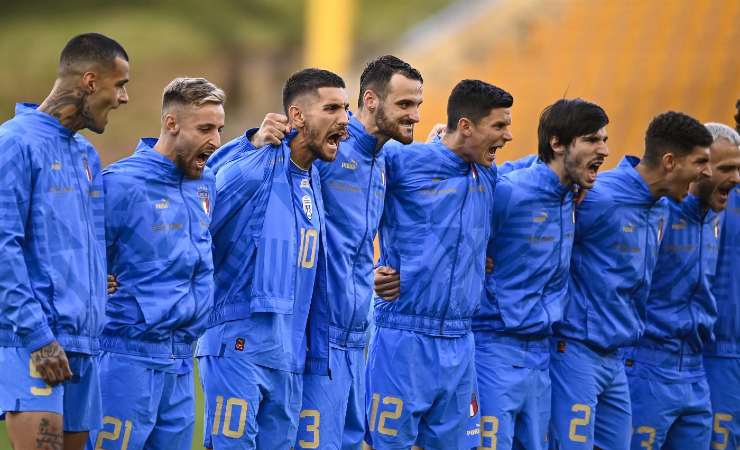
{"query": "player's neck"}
(369, 122)
(67, 103)
(165, 147)
(655, 179)
(557, 165)
(456, 142)
(300, 154)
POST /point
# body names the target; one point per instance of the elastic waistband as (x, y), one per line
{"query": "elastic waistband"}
(347, 338)
(726, 348)
(422, 324)
(664, 358)
(85, 345)
(561, 345)
(166, 349)
(526, 343)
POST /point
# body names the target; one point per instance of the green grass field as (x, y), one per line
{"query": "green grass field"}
(197, 438)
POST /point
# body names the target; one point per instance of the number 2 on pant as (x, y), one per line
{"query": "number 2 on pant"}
(115, 434)
(395, 414)
(311, 428)
(227, 430)
(579, 421)
(41, 392)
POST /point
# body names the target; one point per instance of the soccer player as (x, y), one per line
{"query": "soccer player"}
(270, 318)
(619, 227)
(722, 357)
(532, 237)
(158, 206)
(53, 278)
(668, 387)
(436, 222)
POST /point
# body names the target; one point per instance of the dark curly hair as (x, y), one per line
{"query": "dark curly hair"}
(378, 74)
(674, 132)
(474, 100)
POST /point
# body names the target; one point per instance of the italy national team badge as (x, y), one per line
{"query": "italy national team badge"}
(473, 405)
(205, 201)
(88, 172)
(307, 206)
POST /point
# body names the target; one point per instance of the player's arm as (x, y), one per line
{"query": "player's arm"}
(236, 183)
(18, 304)
(273, 129)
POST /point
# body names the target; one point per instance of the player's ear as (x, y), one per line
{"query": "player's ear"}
(169, 123)
(464, 125)
(556, 146)
(295, 116)
(370, 100)
(668, 161)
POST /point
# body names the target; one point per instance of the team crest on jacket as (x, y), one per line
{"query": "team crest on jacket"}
(307, 206)
(205, 201)
(473, 405)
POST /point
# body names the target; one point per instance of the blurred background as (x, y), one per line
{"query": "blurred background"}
(636, 58)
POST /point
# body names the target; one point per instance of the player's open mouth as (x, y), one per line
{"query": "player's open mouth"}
(593, 169)
(200, 160)
(491, 154)
(724, 193)
(334, 138)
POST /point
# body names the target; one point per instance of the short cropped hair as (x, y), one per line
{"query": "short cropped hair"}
(722, 131)
(90, 48)
(566, 120)
(474, 100)
(308, 81)
(673, 132)
(191, 92)
(378, 74)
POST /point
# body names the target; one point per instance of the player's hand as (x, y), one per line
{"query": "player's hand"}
(387, 283)
(112, 284)
(489, 264)
(439, 130)
(272, 131)
(51, 363)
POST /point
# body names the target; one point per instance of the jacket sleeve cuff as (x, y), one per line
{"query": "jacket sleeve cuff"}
(248, 138)
(38, 338)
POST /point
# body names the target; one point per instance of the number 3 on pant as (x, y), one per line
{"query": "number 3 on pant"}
(385, 415)
(227, 430)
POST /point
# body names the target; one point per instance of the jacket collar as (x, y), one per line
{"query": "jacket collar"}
(161, 164)
(636, 185)
(47, 121)
(551, 179)
(455, 162)
(366, 142)
(693, 209)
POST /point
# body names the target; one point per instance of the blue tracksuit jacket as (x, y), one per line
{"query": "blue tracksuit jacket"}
(727, 283)
(680, 310)
(255, 243)
(353, 188)
(619, 227)
(159, 247)
(531, 243)
(52, 240)
(434, 231)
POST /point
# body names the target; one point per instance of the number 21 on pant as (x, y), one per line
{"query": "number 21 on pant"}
(397, 404)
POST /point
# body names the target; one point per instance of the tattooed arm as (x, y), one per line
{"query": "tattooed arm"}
(51, 363)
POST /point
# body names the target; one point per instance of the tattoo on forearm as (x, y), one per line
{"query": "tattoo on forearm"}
(49, 438)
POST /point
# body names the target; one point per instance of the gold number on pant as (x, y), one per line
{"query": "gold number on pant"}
(385, 415)
(719, 429)
(312, 428)
(230, 404)
(579, 421)
(647, 443)
(115, 434)
(488, 432)
(44, 391)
